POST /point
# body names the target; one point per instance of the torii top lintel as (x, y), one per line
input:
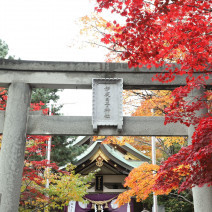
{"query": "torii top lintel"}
(69, 75)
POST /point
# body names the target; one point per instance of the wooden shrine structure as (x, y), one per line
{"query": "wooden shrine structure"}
(21, 76)
(114, 163)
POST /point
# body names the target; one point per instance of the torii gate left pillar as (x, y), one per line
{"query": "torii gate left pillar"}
(13, 146)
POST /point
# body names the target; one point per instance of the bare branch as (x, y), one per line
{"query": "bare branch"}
(182, 198)
(93, 43)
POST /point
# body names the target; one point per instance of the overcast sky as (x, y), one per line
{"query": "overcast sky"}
(45, 30)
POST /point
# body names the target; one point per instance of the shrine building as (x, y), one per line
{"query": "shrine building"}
(115, 162)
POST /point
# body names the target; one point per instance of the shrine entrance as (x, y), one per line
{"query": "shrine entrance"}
(21, 76)
(115, 163)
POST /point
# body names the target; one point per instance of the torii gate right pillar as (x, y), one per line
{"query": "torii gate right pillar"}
(202, 196)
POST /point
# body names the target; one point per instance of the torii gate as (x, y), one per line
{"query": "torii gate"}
(16, 122)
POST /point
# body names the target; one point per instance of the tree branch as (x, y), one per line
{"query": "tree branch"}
(182, 198)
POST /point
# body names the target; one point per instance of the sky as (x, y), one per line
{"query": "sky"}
(49, 30)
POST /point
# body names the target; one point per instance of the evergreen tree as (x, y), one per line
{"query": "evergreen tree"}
(4, 50)
(44, 95)
(63, 152)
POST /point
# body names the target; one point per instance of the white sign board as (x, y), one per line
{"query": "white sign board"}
(107, 102)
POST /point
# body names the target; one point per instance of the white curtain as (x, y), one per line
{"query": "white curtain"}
(113, 204)
(83, 205)
(71, 206)
(128, 207)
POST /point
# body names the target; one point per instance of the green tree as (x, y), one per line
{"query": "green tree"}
(63, 152)
(44, 95)
(172, 202)
(4, 51)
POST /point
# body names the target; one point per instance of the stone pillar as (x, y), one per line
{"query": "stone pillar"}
(202, 196)
(13, 146)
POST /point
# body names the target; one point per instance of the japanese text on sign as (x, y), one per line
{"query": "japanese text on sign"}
(107, 102)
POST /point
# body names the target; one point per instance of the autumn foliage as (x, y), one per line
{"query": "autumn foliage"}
(175, 36)
(140, 182)
(155, 31)
(3, 98)
(191, 164)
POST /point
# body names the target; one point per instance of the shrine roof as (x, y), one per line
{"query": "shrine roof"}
(80, 140)
(111, 153)
(119, 156)
(88, 151)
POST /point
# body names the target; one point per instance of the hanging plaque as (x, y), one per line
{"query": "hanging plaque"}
(107, 102)
(99, 183)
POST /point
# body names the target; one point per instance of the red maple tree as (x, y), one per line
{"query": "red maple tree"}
(35, 164)
(191, 164)
(3, 98)
(175, 35)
